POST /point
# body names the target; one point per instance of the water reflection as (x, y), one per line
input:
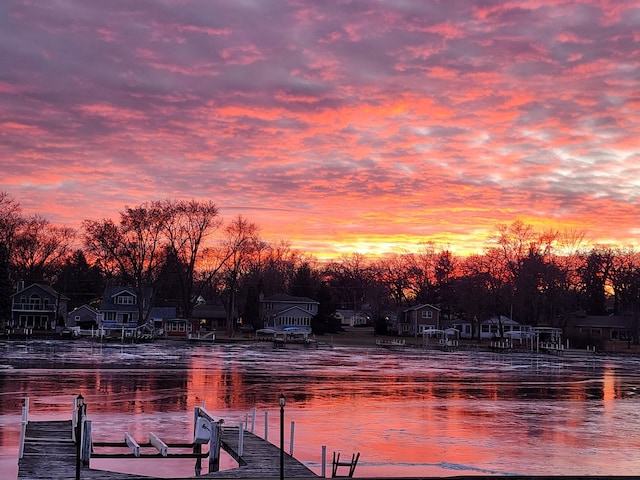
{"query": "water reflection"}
(409, 413)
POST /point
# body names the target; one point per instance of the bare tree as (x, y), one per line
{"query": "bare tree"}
(395, 273)
(10, 221)
(349, 279)
(625, 282)
(240, 244)
(133, 249)
(40, 248)
(186, 225)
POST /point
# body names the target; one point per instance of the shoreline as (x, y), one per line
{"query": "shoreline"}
(361, 337)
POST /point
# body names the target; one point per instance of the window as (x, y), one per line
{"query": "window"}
(125, 300)
(427, 314)
(34, 300)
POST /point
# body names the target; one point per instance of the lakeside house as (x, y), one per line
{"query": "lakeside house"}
(601, 327)
(123, 311)
(280, 310)
(502, 326)
(210, 316)
(38, 307)
(180, 327)
(494, 327)
(351, 318)
(414, 320)
(85, 317)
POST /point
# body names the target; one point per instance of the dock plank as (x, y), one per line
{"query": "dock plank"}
(262, 458)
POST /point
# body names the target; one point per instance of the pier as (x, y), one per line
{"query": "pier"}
(49, 450)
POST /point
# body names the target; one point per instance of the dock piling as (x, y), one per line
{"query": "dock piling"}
(25, 421)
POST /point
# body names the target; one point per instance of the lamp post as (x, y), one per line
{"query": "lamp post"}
(281, 401)
(79, 405)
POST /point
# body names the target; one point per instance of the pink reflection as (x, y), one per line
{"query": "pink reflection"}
(407, 414)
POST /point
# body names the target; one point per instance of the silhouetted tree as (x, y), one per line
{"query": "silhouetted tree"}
(595, 276)
(133, 249)
(325, 321)
(10, 220)
(40, 249)
(186, 225)
(81, 282)
(251, 315)
(6, 289)
(305, 282)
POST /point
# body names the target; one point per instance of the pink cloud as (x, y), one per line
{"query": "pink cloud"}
(378, 124)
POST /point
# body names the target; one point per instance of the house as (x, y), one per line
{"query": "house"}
(211, 317)
(120, 309)
(281, 310)
(463, 326)
(415, 320)
(38, 307)
(85, 317)
(180, 327)
(601, 327)
(351, 318)
(159, 315)
(502, 326)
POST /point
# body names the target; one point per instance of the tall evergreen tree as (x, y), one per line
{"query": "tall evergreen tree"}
(79, 280)
(5, 286)
(252, 308)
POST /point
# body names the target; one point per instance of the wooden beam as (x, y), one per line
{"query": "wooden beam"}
(159, 444)
(132, 444)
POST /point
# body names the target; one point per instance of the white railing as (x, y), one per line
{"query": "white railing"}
(33, 307)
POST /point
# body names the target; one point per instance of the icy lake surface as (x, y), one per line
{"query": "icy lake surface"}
(408, 413)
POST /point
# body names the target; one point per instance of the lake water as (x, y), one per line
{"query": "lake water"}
(408, 413)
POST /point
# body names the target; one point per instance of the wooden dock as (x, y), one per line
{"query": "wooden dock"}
(49, 452)
(260, 459)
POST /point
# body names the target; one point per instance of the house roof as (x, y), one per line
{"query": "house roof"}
(162, 312)
(112, 291)
(422, 306)
(208, 311)
(502, 319)
(291, 309)
(81, 308)
(284, 298)
(47, 288)
(603, 321)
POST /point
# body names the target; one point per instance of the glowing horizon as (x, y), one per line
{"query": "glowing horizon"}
(369, 127)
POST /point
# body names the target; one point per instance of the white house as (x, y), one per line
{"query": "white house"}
(501, 327)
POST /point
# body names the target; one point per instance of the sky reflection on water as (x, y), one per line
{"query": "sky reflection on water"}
(408, 413)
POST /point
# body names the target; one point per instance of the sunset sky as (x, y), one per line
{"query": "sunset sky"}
(338, 126)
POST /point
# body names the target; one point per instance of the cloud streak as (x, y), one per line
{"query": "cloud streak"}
(347, 125)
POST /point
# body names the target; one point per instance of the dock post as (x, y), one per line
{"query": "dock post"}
(197, 448)
(241, 440)
(253, 419)
(79, 420)
(293, 426)
(324, 461)
(25, 420)
(214, 448)
(266, 426)
(85, 452)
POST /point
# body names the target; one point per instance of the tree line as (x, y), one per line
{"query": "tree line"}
(182, 250)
